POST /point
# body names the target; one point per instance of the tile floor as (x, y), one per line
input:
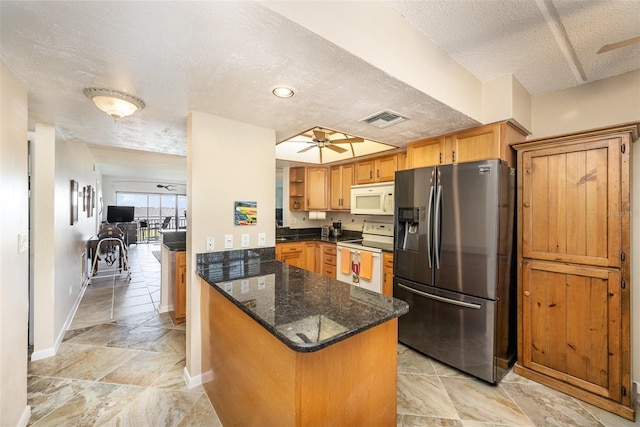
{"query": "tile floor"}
(121, 364)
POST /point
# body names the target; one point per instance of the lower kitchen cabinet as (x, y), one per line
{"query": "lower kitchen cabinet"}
(387, 273)
(179, 289)
(329, 259)
(291, 253)
(314, 256)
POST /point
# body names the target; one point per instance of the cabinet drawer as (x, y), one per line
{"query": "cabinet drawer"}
(329, 271)
(291, 248)
(329, 249)
(330, 260)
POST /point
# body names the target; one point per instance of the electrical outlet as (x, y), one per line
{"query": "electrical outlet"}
(228, 241)
(209, 244)
(70, 289)
(244, 286)
(245, 241)
(262, 239)
(261, 282)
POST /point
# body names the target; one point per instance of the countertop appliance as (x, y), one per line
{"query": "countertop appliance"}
(372, 199)
(376, 237)
(453, 264)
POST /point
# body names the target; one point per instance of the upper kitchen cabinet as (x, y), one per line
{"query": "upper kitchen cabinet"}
(482, 143)
(425, 152)
(492, 141)
(308, 189)
(341, 181)
(296, 189)
(380, 169)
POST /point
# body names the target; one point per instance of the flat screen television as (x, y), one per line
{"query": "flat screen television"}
(119, 214)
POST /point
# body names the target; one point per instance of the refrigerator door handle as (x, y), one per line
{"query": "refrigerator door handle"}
(436, 227)
(441, 299)
(429, 208)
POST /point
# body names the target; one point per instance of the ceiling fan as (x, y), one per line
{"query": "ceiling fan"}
(623, 43)
(322, 139)
(166, 187)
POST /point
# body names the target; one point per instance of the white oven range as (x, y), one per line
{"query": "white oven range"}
(376, 237)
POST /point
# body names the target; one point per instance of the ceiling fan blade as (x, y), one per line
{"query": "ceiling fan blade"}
(336, 148)
(623, 43)
(306, 149)
(347, 140)
(318, 134)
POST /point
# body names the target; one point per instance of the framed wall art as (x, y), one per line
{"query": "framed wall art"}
(245, 213)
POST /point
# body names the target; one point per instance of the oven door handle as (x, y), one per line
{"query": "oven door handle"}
(357, 251)
(441, 299)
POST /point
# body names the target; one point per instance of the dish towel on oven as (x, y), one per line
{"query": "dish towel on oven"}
(345, 262)
(366, 265)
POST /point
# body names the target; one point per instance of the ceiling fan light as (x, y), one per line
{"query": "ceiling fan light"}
(283, 92)
(116, 104)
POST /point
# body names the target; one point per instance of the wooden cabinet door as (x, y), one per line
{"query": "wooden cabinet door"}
(571, 325)
(312, 257)
(386, 168)
(365, 172)
(571, 203)
(317, 182)
(426, 152)
(291, 253)
(478, 144)
(341, 181)
(180, 288)
(387, 269)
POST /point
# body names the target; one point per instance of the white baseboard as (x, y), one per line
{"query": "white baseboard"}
(196, 380)
(165, 308)
(24, 418)
(50, 352)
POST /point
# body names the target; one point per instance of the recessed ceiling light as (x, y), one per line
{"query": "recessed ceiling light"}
(283, 92)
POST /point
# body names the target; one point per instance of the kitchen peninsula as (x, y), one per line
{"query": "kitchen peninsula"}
(282, 346)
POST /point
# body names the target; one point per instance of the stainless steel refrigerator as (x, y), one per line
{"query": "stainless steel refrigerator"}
(454, 264)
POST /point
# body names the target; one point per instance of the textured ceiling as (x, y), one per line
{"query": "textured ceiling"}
(224, 58)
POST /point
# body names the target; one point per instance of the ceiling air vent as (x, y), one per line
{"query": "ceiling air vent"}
(384, 118)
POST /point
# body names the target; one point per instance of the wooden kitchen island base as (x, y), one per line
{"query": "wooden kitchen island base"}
(256, 380)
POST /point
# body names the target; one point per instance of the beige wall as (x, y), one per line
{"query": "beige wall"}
(588, 106)
(14, 264)
(227, 161)
(593, 105)
(58, 246)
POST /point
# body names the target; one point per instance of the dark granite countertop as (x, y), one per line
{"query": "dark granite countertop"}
(175, 246)
(304, 310)
(318, 238)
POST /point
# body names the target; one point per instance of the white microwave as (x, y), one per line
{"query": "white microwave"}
(372, 199)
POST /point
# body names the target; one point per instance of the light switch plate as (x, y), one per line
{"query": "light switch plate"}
(228, 241)
(209, 244)
(245, 241)
(262, 239)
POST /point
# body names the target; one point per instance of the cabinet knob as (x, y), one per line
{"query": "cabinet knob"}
(527, 293)
(526, 204)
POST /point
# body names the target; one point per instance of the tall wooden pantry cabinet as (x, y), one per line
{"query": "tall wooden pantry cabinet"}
(574, 265)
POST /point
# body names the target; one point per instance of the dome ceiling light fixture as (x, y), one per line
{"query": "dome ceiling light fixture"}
(114, 103)
(283, 92)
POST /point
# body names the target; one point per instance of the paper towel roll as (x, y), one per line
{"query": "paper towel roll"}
(317, 215)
